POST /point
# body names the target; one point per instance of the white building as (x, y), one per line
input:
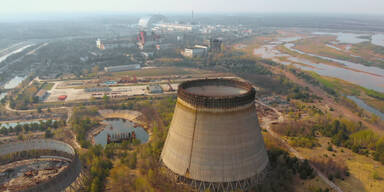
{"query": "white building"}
(174, 27)
(113, 44)
(197, 51)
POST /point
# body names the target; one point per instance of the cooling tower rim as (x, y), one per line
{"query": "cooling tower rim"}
(217, 101)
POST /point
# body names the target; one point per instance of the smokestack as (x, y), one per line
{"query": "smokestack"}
(214, 141)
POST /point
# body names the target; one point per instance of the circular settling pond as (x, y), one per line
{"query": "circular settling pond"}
(119, 130)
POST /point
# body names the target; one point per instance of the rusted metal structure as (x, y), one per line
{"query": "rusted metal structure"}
(70, 179)
(214, 141)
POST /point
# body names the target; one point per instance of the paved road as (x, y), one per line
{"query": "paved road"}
(267, 125)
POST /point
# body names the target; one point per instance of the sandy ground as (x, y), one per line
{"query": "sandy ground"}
(124, 114)
(74, 94)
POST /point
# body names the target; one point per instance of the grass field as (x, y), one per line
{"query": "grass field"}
(299, 185)
(309, 185)
(361, 168)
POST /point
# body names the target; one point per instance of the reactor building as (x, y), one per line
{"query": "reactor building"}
(214, 141)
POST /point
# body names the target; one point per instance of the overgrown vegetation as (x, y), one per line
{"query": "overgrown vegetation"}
(99, 165)
(82, 120)
(283, 169)
(129, 167)
(332, 169)
(342, 132)
(138, 168)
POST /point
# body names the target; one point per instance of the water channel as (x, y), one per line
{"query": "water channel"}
(363, 105)
(14, 124)
(13, 83)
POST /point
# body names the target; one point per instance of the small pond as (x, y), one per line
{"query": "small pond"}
(120, 127)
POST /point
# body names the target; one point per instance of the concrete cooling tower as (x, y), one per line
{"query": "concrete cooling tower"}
(214, 141)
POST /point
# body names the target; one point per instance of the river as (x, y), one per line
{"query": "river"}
(366, 76)
(363, 105)
(13, 83)
(5, 56)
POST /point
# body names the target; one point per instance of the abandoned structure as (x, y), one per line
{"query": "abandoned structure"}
(70, 179)
(214, 141)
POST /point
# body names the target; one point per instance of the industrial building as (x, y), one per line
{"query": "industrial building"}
(214, 141)
(113, 44)
(122, 68)
(196, 51)
(41, 94)
(174, 27)
(98, 89)
(154, 89)
(215, 45)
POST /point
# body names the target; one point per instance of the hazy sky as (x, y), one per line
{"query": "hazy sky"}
(164, 6)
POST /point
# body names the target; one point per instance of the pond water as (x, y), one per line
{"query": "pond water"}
(120, 126)
(363, 105)
(14, 82)
(14, 124)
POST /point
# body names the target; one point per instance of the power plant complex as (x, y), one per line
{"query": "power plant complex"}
(214, 141)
